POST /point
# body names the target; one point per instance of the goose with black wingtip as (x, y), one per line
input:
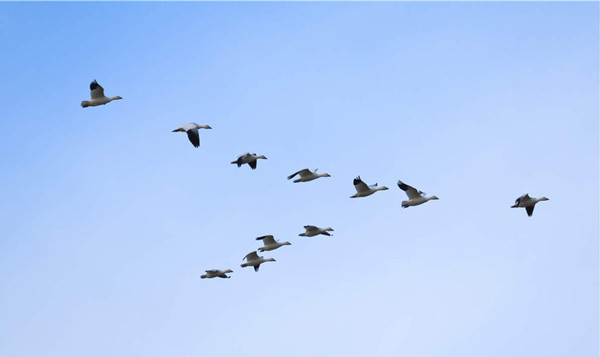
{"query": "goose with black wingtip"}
(253, 260)
(192, 132)
(270, 243)
(415, 197)
(528, 203)
(97, 96)
(362, 190)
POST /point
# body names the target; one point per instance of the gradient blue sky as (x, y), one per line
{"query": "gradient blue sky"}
(107, 219)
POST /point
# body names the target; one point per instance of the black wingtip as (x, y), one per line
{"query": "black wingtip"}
(529, 210)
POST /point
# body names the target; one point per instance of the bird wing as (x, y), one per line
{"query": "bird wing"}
(96, 90)
(359, 185)
(253, 164)
(251, 256)
(302, 173)
(523, 199)
(311, 228)
(212, 271)
(194, 137)
(411, 192)
(267, 240)
(529, 210)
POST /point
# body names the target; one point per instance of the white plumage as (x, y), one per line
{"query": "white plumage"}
(252, 259)
(415, 197)
(192, 132)
(528, 203)
(307, 175)
(312, 231)
(97, 96)
(362, 190)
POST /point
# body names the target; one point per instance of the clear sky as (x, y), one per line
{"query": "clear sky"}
(108, 219)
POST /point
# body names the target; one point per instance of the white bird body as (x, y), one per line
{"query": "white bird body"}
(253, 260)
(415, 197)
(248, 158)
(307, 175)
(97, 96)
(192, 132)
(528, 203)
(312, 231)
(270, 243)
(214, 273)
(362, 190)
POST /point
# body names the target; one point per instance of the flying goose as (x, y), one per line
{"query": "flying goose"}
(270, 243)
(252, 259)
(528, 203)
(192, 132)
(415, 197)
(97, 94)
(307, 175)
(214, 273)
(249, 159)
(362, 190)
(312, 231)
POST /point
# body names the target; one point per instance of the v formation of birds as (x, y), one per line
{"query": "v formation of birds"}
(415, 197)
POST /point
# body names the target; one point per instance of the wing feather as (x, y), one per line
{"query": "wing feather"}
(267, 240)
(96, 90)
(194, 137)
(251, 256)
(411, 192)
(359, 185)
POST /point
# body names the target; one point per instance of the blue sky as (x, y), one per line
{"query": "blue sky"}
(108, 219)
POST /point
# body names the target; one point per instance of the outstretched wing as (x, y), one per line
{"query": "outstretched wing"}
(529, 210)
(411, 192)
(523, 199)
(302, 173)
(311, 228)
(96, 90)
(253, 164)
(212, 271)
(267, 240)
(251, 256)
(194, 137)
(359, 185)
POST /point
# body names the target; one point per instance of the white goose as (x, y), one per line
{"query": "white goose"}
(214, 273)
(362, 190)
(528, 203)
(415, 197)
(249, 159)
(97, 96)
(270, 243)
(252, 259)
(192, 132)
(307, 175)
(312, 231)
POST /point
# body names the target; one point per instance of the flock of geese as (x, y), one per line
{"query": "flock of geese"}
(415, 197)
